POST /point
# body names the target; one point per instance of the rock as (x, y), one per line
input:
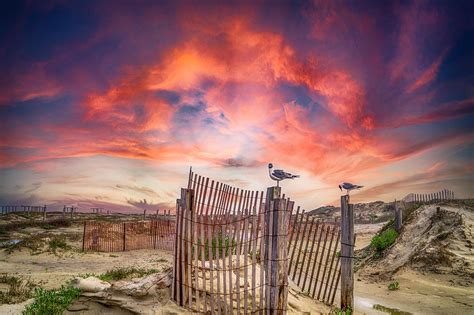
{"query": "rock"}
(90, 284)
(76, 307)
(148, 285)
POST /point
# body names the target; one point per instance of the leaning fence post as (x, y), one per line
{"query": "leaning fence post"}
(347, 253)
(398, 217)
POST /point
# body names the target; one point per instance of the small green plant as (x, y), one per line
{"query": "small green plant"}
(123, 273)
(384, 240)
(394, 286)
(58, 242)
(339, 311)
(52, 302)
(18, 291)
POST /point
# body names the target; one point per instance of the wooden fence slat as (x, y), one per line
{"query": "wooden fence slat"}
(209, 220)
(313, 241)
(301, 245)
(254, 254)
(331, 270)
(321, 260)
(326, 263)
(305, 250)
(297, 231)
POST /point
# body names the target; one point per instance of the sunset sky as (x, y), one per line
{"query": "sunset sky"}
(108, 103)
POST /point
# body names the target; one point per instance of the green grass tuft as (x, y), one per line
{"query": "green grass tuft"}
(52, 302)
(394, 286)
(384, 240)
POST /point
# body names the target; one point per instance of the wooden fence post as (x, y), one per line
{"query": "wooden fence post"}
(124, 235)
(144, 214)
(275, 251)
(398, 217)
(44, 213)
(347, 253)
(83, 236)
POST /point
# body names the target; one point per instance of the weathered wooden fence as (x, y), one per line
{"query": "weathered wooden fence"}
(314, 252)
(231, 254)
(27, 209)
(122, 236)
(444, 194)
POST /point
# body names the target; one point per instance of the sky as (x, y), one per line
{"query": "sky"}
(108, 103)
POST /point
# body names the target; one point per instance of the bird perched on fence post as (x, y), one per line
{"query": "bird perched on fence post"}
(348, 187)
(279, 175)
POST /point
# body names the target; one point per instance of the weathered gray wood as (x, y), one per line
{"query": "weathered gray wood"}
(253, 251)
(305, 253)
(398, 217)
(347, 253)
(305, 222)
(325, 275)
(323, 253)
(313, 241)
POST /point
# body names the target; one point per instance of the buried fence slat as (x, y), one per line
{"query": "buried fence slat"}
(305, 250)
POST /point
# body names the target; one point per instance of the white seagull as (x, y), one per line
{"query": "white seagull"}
(279, 175)
(348, 187)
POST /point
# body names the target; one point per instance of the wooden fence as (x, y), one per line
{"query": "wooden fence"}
(231, 253)
(122, 236)
(236, 249)
(314, 250)
(27, 209)
(444, 194)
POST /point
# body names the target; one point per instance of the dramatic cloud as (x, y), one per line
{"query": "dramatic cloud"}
(333, 90)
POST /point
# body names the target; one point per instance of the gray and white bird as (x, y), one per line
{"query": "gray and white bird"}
(348, 187)
(279, 175)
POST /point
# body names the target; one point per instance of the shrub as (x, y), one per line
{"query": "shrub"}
(394, 286)
(384, 240)
(52, 302)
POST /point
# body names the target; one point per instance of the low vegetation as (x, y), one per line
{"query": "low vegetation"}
(219, 246)
(47, 225)
(339, 311)
(116, 274)
(52, 302)
(58, 242)
(19, 289)
(394, 286)
(384, 240)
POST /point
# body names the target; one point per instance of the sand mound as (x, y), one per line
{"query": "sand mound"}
(435, 238)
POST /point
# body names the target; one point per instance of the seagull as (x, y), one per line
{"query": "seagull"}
(348, 187)
(279, 175)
